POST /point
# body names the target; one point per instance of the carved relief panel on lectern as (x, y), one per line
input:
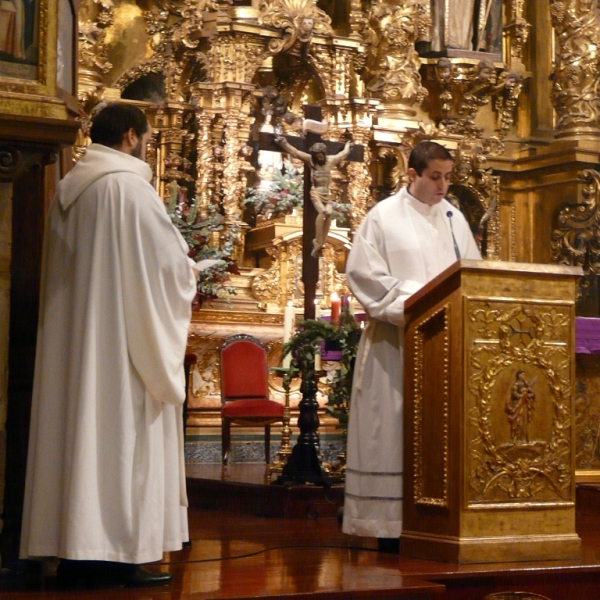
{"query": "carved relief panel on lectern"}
(519, 403)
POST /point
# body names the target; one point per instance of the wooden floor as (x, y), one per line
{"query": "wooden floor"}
(237, 555)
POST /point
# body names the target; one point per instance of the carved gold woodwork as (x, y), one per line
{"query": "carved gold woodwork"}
(431, 380)
(209, 57)
(574, 77)
(198, 67)
(587, 418)
(281, 282)
(392, 68)
(489, 356)
(576, 240)
(299, 20)
(533, 338)
(461, 87)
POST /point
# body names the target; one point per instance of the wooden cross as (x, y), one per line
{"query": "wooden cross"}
(310, 264)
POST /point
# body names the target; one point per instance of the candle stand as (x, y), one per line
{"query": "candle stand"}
(304, 463)
(276, 467)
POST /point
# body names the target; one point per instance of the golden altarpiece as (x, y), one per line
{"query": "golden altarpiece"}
(512, 91)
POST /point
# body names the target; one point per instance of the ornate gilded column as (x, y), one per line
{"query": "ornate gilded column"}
(204, 162)
(172, 162)
(359, 174)
(574, 94)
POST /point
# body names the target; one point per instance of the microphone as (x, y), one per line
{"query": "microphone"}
(456, 250)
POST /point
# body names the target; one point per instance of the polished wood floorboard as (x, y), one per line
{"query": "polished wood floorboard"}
(244, 556)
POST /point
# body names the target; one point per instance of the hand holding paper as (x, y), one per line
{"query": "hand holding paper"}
(207, 263)
(204, 264)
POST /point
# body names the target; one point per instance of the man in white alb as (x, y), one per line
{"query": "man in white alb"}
(403, 243)
(105, 486)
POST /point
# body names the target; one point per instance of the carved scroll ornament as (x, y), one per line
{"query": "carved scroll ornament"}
(576, 240)
(299, 20)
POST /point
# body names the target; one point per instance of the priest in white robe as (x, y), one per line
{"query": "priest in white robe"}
(403, 243)
(105, 484)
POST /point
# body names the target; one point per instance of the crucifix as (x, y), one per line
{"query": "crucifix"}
(319, 174)
(304, 464)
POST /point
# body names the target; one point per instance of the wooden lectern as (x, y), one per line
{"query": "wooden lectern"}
(489, 465)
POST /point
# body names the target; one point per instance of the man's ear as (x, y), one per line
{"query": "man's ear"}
(129, 138)
(412, 174)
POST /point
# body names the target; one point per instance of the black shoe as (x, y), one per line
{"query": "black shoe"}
(86, 575)
(390, 545)
(71, 575)
(97, 574)
(140, 577)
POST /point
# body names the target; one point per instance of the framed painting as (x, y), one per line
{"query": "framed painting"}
(38, 58)
(20, 38)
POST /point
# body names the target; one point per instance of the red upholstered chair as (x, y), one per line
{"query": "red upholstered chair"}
(245, 390)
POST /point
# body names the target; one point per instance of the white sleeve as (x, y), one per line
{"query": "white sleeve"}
(369, 276)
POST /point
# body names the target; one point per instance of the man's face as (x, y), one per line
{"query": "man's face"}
(319, 158)
(432, 185)
(139, 150)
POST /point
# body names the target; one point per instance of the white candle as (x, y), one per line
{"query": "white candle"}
(318, 360)
(287, 361)
(351, 306)
(317, 310)
(289, 316)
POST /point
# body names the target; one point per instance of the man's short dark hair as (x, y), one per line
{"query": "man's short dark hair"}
(423, 152)
(114, 120)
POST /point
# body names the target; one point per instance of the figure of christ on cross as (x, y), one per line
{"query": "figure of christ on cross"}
(320, 167)
(312, 214)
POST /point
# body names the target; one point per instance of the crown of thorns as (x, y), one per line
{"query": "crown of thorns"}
(318, 147)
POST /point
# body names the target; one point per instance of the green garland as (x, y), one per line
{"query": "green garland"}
(212, 282)
(303, 346)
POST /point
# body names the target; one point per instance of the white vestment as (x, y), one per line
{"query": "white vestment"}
(105, 470)
(400, 246)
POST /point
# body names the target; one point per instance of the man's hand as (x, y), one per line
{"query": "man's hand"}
(279, 139)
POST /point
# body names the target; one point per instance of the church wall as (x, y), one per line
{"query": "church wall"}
(5, 252)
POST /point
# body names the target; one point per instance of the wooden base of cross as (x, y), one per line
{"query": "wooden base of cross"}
(304, 464)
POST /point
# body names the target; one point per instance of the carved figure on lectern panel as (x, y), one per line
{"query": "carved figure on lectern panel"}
(519, 408)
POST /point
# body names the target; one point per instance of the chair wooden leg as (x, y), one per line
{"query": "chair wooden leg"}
(225, 440)
(268, 444)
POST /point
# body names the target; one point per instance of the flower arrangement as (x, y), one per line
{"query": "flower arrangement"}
(282, 194)
(197, 232)
(278, 196)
